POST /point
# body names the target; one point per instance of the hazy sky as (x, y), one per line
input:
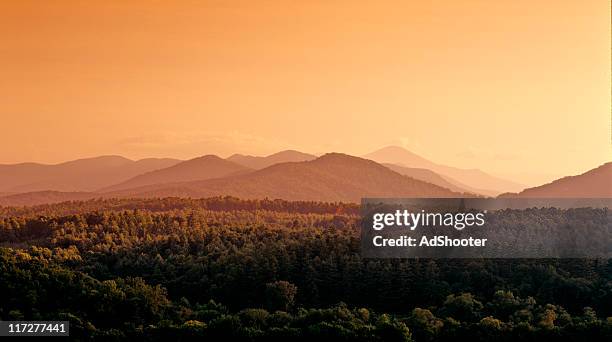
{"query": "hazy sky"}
(517, 88)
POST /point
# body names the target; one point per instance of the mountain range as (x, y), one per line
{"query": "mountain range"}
(257, 163)
(291, 175)
(205, 167)
(331, 177)
(87, 174)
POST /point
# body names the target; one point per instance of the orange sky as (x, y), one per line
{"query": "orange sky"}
(517, 88)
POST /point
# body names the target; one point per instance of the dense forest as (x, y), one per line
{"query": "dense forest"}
(262, 270)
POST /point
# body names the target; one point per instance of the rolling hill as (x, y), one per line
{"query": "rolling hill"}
(332, 177)
(201, 168)
(258, 163)
(595, 183)
(473, 180)
(44, 197)
(78, 175)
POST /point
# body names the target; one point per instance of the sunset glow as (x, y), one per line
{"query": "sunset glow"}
(517, 88)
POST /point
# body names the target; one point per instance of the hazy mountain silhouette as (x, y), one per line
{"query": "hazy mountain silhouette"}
(595, 183)
(472, 178)
(44, 197)
(258, 163)
(77, 175)
(332, 177)
(428, 176)
(201, 168)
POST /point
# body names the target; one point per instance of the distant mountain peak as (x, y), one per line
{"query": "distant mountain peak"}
(104, 159)
(471, 179)
(199, 168)
(206, 157)
(342, 157)
(257, 162)
(332, 155)
(286, 152)
(399, 155)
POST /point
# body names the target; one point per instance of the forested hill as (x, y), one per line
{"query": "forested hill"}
(224, 268)
(171, 204)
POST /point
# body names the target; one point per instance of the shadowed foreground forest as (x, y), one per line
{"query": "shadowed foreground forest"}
(262, 270)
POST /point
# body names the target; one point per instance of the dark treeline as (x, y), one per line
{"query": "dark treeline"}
(175, 203)
(264, 270)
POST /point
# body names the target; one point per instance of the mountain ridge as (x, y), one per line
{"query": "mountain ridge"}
(428, 176)
(593, 183)
(331, 177)
(258, 162)
(199, 168)
(87, 174)
(472, 178)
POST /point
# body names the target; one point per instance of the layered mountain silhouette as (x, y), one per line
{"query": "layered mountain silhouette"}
(596, 183)
(332, 177)
(472, 180)
(428, 176)
(257, 163)
(44, 197)
(77, 175)
(289, 175)
(201, 168)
